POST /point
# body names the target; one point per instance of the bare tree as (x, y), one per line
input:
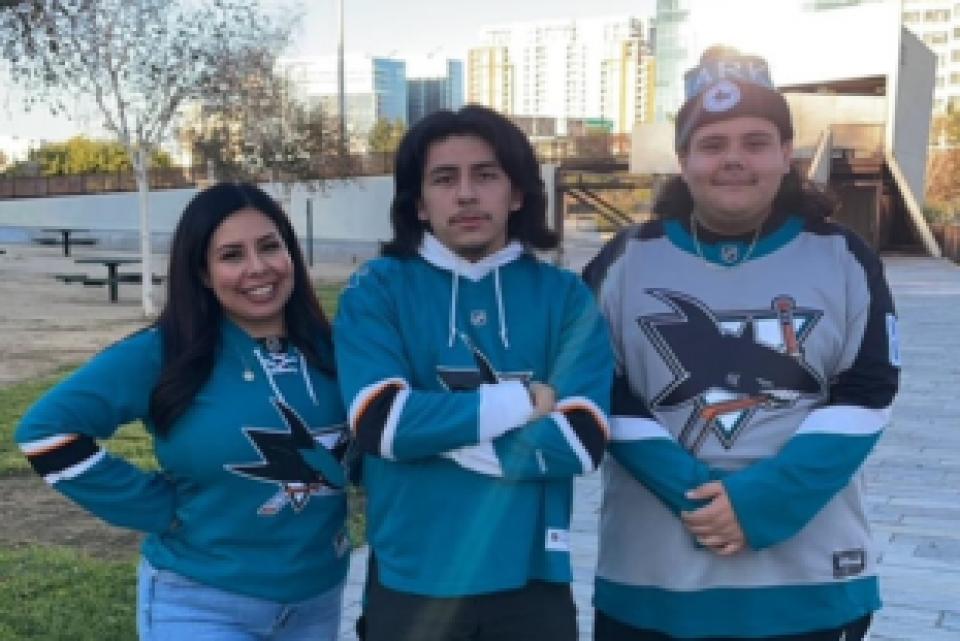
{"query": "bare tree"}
(259, 127)
(138, 60)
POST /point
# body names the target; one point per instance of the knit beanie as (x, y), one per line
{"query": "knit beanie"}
(727, 84)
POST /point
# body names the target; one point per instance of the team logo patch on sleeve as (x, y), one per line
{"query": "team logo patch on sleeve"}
(893, 340)
(848, 563)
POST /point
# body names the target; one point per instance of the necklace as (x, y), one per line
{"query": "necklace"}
(729, 254)
(247, 373)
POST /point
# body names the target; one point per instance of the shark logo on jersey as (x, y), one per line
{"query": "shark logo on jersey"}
(728, 365)
(465, 379)
(301, 461)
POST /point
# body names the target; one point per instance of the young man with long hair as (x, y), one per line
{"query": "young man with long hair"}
(477, 379)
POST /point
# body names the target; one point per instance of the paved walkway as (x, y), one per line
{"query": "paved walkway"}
(913, 478)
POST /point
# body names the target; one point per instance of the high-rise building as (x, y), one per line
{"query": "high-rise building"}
(439, 87)
(490, 78)
(937, 23)
(375, 88)
(455, 82)
(625, 82)
(568, 70)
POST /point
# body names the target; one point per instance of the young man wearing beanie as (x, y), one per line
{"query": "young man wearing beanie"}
(756, 363)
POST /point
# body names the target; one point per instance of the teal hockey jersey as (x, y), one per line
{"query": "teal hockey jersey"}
(465, 493)
(775, 376)
(249, 497)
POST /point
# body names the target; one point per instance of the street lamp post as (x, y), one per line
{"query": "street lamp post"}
(341, 90)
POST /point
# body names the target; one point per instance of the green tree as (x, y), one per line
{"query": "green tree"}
(3, 161)
(385, 135)
(256, 129)
(81, 155)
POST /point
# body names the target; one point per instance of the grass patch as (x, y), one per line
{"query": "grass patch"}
(58, 594)
(329, 295)
(131, 441)
(14, 401)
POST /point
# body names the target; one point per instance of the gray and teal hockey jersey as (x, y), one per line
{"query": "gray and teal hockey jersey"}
(249, 497)
(775, 376)
(465, 494)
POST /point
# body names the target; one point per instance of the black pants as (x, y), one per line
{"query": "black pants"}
(539, 611)
(608, 629)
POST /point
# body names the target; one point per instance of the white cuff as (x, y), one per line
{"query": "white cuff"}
(503, 406)
(480, 458)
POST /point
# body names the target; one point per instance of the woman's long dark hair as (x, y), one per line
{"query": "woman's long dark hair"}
(513, 152)
(795, 196)
(189, 325)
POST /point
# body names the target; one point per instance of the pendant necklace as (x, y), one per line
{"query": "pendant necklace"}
(247, 374)
(734, 261)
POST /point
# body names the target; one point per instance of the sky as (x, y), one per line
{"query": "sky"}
(382, 27)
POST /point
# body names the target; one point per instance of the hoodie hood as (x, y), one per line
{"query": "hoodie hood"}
(436, 253)
(439, 255)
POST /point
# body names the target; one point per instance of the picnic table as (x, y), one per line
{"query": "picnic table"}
(112, 263)
(65, 233)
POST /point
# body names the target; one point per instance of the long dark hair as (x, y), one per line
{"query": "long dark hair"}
(513, 152)
(189, 324)
(795, 196)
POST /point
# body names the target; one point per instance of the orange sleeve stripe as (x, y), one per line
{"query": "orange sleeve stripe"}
(369, 401)
(598, 418)
(53, 446)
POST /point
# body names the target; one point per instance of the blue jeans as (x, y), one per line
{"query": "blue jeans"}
(171, 607)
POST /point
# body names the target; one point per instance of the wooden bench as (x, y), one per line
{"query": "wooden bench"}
(137, 277)
(128, 278)
(64, 240)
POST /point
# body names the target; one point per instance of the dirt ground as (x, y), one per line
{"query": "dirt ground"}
(45, 325)
(36, 514)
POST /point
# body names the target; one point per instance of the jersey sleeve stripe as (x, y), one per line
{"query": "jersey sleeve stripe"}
(43, 445)
(584, 404)
(631, 428)
(372, 410)
(579, 440)
(586, 423)
(75, 470)
(366, 397)
(390, 425)
(846, 420)
(63, 460)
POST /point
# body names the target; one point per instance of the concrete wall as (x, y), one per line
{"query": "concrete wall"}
(910, 131)
(354, 211)
(813, 113)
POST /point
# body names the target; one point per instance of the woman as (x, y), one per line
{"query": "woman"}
(756, 366)
(235, 382)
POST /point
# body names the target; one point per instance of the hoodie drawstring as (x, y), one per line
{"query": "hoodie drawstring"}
(454, 286)
(501, 310)
(501, 313)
